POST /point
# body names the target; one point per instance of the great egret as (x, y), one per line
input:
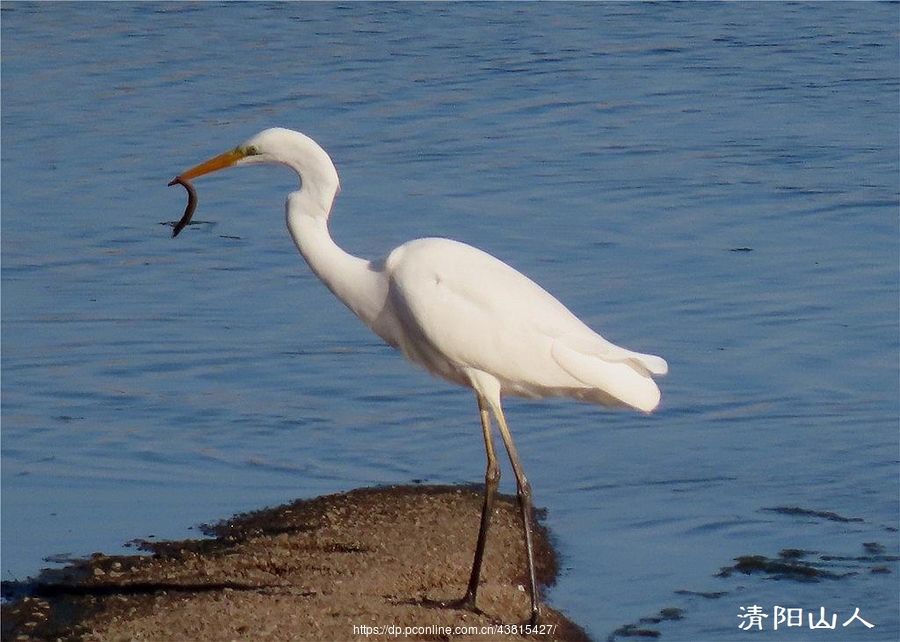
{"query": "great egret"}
(460, 314)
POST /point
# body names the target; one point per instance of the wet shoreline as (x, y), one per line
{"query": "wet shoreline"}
(382, 561)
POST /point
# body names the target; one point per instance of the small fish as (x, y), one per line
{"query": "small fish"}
(191, 205)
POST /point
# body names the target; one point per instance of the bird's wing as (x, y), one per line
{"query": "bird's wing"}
(461, 308)
(458, 307)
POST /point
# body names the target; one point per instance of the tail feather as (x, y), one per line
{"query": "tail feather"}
(625, 380)
(651, 363)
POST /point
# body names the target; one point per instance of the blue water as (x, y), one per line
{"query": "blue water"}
(717, 184)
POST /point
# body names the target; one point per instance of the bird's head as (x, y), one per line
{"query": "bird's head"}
(279, 146)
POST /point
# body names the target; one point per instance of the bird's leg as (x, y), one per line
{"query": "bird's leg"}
(523, 491)
(491, 482)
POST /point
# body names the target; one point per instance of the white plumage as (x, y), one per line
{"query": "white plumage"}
(460, 314)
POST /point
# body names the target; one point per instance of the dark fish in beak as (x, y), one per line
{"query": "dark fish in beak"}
(191, 205)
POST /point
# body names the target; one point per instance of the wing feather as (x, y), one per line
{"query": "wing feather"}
(463, 309)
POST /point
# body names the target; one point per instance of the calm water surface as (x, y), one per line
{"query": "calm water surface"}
(717, 184)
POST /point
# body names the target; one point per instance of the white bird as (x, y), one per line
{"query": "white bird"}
(460, 314)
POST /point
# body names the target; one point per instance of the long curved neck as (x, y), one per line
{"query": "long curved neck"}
(358, 283)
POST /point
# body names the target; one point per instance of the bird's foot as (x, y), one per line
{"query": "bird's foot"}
(465, 603)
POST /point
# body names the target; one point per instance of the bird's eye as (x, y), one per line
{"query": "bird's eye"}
(251, 150)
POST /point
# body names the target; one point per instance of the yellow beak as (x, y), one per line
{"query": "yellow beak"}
(214, 164)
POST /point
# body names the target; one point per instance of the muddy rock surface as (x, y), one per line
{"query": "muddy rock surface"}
(383, 563)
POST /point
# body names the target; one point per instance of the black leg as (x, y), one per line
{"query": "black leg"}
(523, 491)
(491, 482)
